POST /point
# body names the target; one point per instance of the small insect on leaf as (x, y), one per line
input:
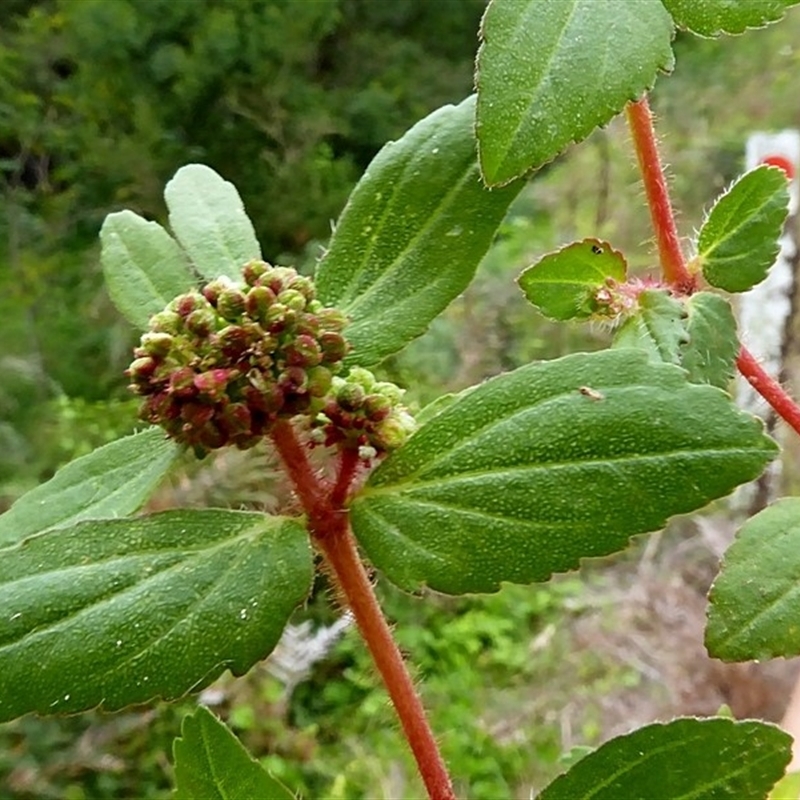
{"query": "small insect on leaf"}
(593, 394)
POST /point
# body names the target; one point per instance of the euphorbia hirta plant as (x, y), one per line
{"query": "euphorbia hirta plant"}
(514, 480)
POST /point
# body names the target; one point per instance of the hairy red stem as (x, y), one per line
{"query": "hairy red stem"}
(673, 264)
(768, 388)
(348, 466)
(329, 524)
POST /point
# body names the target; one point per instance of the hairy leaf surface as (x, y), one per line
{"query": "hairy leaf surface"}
(211, 764)
(114, 612)
(738, 242)
(537, 468)
(412, 234)
(143, 266)
(710, 354)
(657, 327)
(697, 333)
(550, 71)
(564, 285)
(112, 481)
(754, 605)
(713, 17)
(208, 218)
(685, 759)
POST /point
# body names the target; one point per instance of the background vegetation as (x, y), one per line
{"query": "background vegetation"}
(100, 102)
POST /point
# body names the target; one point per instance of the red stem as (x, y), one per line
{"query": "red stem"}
(329, 524)
(673, 264)
(768, 388)
(348, 465)
(342, 556)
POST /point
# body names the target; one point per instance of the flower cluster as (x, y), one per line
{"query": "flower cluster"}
(219, 366)
(365, 414)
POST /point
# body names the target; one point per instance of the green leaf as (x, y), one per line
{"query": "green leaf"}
(208, 218)
(112, 481)
(556, 461)
(738, 242)
(710, 353)
(114, 612)
(143, 266)
(685, 759)
(697, 333)
(550, 72)
(657, 327)
(412, 234)
(211, 764)
(754, 605)
(713, 17)
(564, 285)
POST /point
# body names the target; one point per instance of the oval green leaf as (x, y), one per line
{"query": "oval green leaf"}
(709, 355)
(564, 285)
(713, 17)
(143, 266)
(113, 481)
(556, 461)
(738, 242)
(412, 234)
(657, 326)
(754, 605)
(549, 73)
(697, 333)
(114, 612)
(211, 764)
(685, 759)
(208, 218)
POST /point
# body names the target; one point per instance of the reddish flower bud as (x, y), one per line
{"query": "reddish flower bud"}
(253, 270)
(141, 369)
(196, 415)
(186, 303)
(201, 322)
(213, 383)
(303, 351)
(181, 383)
(258, 301)
(334, 347)
(377, 407)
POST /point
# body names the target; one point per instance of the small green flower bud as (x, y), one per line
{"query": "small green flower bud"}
(303, 285)
(363, 377)
(377, 407)
(389, 434)
(167, 322)
(351, 396)
(292, 299)
(231, 304)
(392, 392)
(258, 301)
(319, 381)
(331, 319)
(157, 344)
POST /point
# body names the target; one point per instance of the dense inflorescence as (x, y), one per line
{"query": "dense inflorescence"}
(220, 365)
(365, 414)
